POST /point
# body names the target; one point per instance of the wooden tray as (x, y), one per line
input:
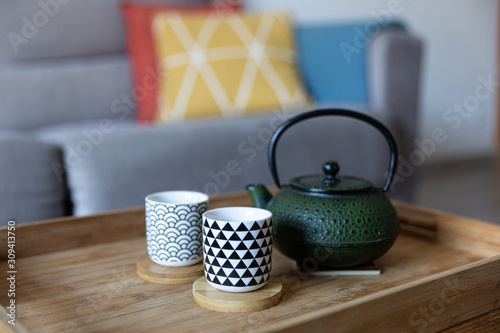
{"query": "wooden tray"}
(79, 274)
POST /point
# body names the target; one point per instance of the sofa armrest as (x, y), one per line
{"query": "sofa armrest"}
(393, 69)
(32, 184)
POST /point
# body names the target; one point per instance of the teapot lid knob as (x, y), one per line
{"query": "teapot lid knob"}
(330, 169)
(329, 182)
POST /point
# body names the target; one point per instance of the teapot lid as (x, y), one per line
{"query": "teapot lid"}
(330, 183)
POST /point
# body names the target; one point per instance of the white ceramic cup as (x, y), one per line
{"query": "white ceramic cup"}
(174, 227)
(237, 247)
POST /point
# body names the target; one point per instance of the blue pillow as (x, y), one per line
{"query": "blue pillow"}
(332, 60)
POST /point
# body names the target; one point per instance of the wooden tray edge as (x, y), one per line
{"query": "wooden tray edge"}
(389, 310)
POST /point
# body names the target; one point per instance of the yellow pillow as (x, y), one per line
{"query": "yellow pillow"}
(225, 65)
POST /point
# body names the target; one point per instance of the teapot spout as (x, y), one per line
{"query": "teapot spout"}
(259, 195)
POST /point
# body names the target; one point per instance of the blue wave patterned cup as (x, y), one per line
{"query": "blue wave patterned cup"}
(174, 227)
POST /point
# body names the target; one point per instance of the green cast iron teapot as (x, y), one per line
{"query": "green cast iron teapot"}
(330, 220)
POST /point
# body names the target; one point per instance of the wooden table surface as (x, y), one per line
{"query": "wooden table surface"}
(78, 275)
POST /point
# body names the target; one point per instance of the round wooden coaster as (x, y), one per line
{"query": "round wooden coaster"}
(264, 298)
(152, 272)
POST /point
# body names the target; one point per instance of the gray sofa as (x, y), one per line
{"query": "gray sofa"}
(69, 145)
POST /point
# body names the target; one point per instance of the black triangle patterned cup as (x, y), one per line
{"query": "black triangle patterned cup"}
(237, 247)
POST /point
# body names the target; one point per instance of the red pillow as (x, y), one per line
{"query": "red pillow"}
(140, 47)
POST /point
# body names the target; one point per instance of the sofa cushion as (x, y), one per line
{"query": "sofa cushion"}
(143, 62)
(225, 66)
(62, 28)
(33, 186)
(44, 92)
(332, 59)
(118, 169)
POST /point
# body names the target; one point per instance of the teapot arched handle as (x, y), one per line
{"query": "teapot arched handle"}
(334, 112)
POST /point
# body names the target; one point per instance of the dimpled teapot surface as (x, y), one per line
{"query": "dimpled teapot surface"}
(336, 221)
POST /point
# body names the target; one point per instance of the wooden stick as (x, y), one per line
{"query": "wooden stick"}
(417, 222)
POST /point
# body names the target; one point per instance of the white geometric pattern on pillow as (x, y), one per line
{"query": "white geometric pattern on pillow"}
(198, 55)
